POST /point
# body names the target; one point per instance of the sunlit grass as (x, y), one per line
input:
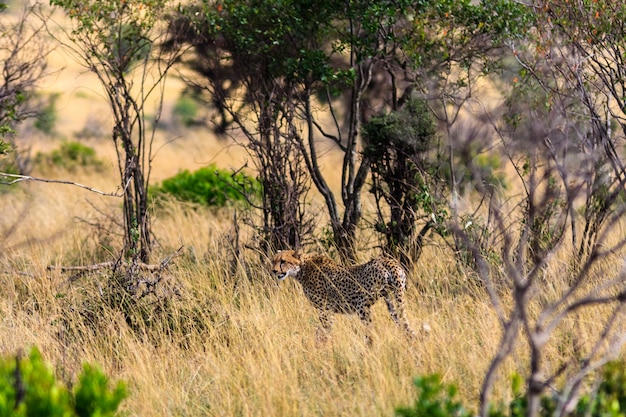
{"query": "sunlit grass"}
(242, 343)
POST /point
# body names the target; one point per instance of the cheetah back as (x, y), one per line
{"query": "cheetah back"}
(330, 286)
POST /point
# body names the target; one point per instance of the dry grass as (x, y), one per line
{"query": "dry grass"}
(244, 344)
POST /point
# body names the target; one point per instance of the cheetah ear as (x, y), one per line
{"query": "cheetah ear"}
(297, 254)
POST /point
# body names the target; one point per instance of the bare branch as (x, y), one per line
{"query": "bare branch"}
(19, 178)
(80, 270)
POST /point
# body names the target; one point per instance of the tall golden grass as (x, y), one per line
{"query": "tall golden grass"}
(234, 341)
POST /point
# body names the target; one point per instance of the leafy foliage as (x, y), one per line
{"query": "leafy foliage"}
(434, 400)
(284, 39)
(119, 41)
(28, 388)
(47, 117)
(4, 148)
(117, 32)
(94, 397)
(463, 38)
(23, 52)
(411, 128)
(399, 148)
(209, 186)
(185, 110)
(607, 398)
(71, 155)
(610, 399)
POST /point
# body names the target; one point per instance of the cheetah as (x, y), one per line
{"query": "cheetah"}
(334, 288)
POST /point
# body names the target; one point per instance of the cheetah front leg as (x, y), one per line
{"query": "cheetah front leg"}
(391, 308)
(366, 316)
(326, 324)
(400, 314)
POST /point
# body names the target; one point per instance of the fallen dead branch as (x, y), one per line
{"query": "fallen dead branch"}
(132, 265)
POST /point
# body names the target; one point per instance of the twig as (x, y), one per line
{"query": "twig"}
(20, 273)
(19, 178)
(85, 268)
(81, 269)
(105, 265)
(167, 260)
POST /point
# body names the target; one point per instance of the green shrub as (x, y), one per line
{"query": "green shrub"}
(209, 186)
(434, 400)
(610, 399)
(94, 397)
(185, 110)
(8, 165)
(28, 387)
(606, 399)
(71, 155)
(47, 117)
(4, 148)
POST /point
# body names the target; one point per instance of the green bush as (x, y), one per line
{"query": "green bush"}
(434, 400)
(185, 110)
(8, 165)
(606, 399)
(4, 148)
(28, 388)
(47, 117)
(610, 399)
(209, 186)
(71, 155)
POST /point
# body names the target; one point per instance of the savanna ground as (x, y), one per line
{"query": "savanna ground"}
(224, 339)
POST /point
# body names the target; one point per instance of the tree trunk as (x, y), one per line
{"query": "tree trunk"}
(137, 230)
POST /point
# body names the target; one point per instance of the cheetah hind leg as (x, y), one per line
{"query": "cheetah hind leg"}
(392, 309)
(366, 316)
(399, 315)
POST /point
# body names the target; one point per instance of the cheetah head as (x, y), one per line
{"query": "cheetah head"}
(286, 263)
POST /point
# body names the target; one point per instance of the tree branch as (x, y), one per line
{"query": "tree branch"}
(15, 178)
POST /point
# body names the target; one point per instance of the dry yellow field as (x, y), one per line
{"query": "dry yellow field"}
(255, 351)
(244, 344)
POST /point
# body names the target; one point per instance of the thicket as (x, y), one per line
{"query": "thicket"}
(606, 397)
(294, 66)
(47, 117)
(29, 388)
(402, 151)
(209, 186)
(70, 155)
(185, 110)
(560, 132)
(119, 42)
